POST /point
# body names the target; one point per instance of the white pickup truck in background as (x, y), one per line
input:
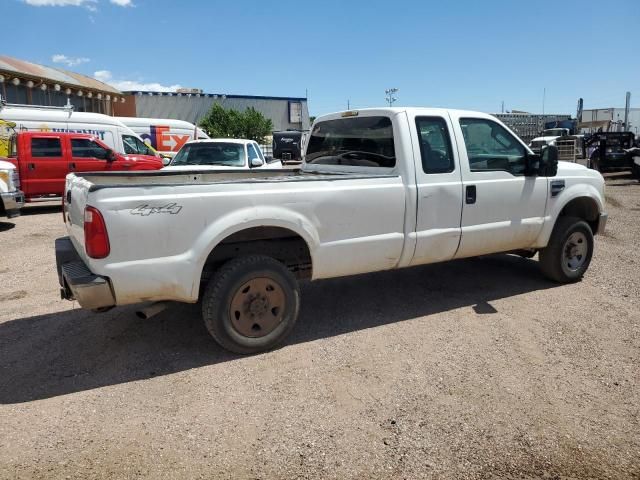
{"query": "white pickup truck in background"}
(379, 189)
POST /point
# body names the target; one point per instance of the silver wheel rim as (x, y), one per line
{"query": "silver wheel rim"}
(574, 253)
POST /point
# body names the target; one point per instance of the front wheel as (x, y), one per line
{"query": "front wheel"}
(567, 256)
(251, 304)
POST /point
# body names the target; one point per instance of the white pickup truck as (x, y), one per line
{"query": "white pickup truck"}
(11, 198)
(379, 189)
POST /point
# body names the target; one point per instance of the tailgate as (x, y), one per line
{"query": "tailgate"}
(76, 193)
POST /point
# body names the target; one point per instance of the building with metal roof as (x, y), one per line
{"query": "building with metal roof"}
(33, 84)
(286, 113)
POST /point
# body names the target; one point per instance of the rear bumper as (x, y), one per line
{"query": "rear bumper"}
(77, 282)
(13, 202)
(602, 223)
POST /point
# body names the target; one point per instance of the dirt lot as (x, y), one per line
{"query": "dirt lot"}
(473, 369)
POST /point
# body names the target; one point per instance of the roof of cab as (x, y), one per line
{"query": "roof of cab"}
(397, 110)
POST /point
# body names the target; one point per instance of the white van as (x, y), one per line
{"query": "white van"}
(110, 130)
(165, 135)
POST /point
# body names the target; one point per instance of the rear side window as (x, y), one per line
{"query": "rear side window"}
(435, 145)
(46, 147)
(362, 142)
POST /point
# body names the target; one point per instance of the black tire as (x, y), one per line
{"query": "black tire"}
(224, 292)
(557, 260)
(635, 170)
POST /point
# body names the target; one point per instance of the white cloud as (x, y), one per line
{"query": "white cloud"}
(132, 85)
(90, 4)
(69, 61)
(122, 3)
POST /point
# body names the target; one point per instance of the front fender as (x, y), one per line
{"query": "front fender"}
(555, 205)
(250, 217)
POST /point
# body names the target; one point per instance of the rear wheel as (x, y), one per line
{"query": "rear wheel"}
(251, 304)
(567, 256)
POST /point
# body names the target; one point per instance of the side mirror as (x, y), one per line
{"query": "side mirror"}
(110, 157)
(268, 158)
(256, 162)
(532, 164)
(165, 161)
(549, 161)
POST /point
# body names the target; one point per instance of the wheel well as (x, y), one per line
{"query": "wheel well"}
(584, 208)
(279, 243)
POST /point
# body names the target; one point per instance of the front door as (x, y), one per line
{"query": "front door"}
(87, 156)
(439, 190)
(503, 209)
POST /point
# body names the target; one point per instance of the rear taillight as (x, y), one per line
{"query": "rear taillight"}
(96, 238)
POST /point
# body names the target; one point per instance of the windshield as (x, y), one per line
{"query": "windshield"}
(363, 142)
(553, 132)
(219, 153)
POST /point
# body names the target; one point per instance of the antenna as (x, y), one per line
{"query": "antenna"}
(390, 92)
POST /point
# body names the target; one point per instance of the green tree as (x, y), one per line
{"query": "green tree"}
(223, 122)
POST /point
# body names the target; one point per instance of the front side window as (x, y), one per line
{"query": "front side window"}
(46, 147)
(435, 145)
(85, 148)
(490, 147)
(252, 153)
(133, 145)
(210, 153)
(259, 150)
(360, 141)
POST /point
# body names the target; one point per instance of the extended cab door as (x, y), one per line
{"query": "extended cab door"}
(503, 209)
(439, 189)
(42, 165)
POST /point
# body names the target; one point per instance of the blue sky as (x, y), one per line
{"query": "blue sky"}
(460, 54)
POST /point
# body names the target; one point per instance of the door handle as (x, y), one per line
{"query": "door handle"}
(31, 166)
(470, 194)
(72, 166)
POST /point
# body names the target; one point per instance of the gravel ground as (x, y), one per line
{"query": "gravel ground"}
(472, 369)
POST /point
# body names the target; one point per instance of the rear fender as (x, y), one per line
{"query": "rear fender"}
(256, 216)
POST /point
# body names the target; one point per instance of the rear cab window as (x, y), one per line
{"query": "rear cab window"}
(357, 142)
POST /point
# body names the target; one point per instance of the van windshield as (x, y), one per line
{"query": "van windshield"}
(218, 153)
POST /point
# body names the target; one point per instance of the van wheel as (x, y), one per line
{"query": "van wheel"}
(251, 304)
(567, 256)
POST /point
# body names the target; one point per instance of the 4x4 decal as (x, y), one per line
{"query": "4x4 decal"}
(146, 210)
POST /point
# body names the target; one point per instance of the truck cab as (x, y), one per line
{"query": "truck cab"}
(43, 160)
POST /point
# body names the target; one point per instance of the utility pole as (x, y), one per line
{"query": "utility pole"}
(502, 107)
(627, 107)
(390, 92)
(544, 97)
(348, 105)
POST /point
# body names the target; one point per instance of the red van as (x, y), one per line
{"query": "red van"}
(44, 159)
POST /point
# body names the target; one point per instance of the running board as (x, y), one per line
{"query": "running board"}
(44, 199)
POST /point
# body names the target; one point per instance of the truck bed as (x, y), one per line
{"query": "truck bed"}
(99, 180)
